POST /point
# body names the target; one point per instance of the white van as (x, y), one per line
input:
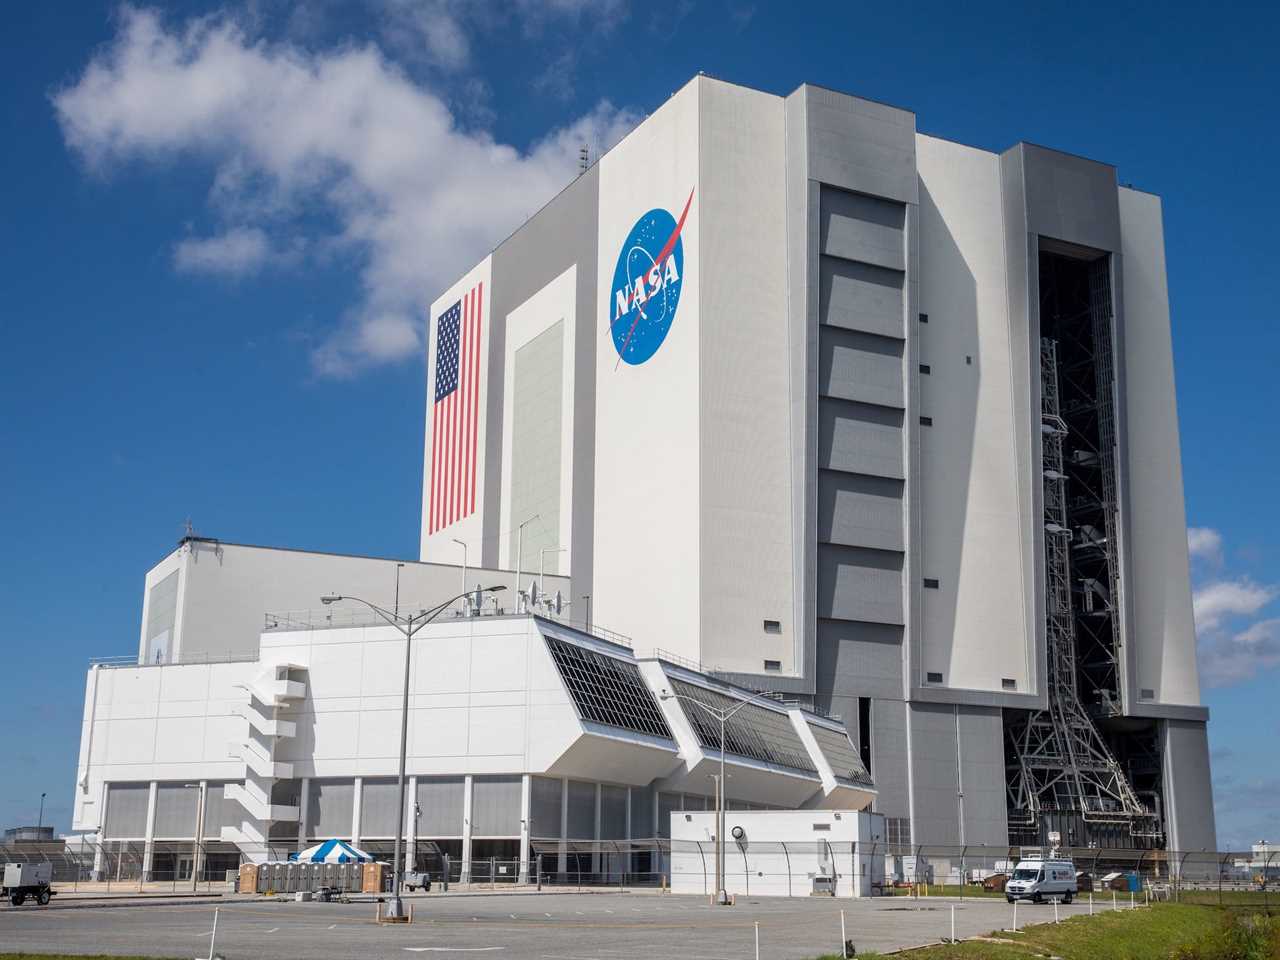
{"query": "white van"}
(1041, 880)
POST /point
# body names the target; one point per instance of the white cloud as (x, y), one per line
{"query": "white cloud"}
(1228, 659)
(237, 252)
(343, 133)
(1217, 601)
(1204, 543)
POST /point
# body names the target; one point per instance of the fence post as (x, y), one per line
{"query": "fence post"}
(1177, 886)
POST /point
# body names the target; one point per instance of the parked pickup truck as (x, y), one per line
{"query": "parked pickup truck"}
(22, 880)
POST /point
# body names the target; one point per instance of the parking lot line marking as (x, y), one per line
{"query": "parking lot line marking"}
(452, 949)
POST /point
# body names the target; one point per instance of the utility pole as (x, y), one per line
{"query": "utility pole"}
(463, 545)
(520, 555)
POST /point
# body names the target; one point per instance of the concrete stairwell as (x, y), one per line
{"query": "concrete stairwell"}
(276, 687)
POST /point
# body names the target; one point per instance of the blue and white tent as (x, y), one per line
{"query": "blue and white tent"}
(332, 851)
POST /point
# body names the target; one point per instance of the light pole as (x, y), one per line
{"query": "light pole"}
(542, 567)
(195, 847)
(520, 555)
(463, 545)
(722, 896)
(40, 820)
(408, 626)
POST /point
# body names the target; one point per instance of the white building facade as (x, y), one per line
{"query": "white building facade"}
(788, 392)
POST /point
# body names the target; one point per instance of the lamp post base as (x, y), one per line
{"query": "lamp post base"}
(722, 898)
(394, 909)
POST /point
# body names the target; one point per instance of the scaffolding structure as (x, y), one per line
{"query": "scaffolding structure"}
(1061, 769)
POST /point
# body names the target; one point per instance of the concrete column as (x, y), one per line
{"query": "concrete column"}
(466, 829)
(410, 824)
(356, 792)
(562, 861)
(304, 811)
(595, 853)
(197, 859)
(526, 803)
(98, 852)
(148, 843)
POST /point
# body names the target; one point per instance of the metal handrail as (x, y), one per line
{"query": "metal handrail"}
(195, 659)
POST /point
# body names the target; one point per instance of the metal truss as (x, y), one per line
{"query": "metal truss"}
(1059, 762)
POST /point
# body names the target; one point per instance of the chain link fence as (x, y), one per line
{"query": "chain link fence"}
(1219, 877)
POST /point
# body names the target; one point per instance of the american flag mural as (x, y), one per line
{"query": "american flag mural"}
(455, 411)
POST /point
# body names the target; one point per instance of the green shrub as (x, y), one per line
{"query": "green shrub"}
(1238, 937)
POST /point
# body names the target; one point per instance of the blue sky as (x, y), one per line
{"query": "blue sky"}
(221, 223)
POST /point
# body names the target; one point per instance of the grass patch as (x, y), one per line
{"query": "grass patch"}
(1165, 931)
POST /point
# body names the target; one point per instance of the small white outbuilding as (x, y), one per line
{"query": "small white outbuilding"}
(780, 853)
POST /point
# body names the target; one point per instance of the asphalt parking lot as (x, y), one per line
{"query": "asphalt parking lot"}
(547, 926)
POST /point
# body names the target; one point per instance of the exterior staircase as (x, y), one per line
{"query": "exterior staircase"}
(275, 688)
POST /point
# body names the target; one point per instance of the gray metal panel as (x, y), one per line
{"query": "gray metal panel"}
(982, 776)
(582, 810)
(935, 775)
(162, 611)
(1188, 786)
(642, 825)
(379, 808)
(889, 757)
(667, 802)
(329, 809)
(440, 806)
(546, 797)
(219, 812)
(560, 235)
(860, 366)
(855, 583)
(537, 412)
(859, 511)
(858, 227)
(613, 812)
(860, 438)
(1070, 198)
(176, 809)
(802, 283)
(1024, 351)
(495, 806)
(127, 810)
(857, 660)
(860, 145)
(860, 296)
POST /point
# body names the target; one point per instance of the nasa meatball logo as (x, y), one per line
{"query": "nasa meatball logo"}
(646, 284)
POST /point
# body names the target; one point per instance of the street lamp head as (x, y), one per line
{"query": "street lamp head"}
(666, 695)
(497, 588)
(330, 598)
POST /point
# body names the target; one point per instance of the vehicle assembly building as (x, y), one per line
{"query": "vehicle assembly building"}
(779, 395)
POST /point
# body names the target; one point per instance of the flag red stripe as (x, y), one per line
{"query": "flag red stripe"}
(431, 490)
(456, 449)
(457, 416)
(467, 452)
(475, 395)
